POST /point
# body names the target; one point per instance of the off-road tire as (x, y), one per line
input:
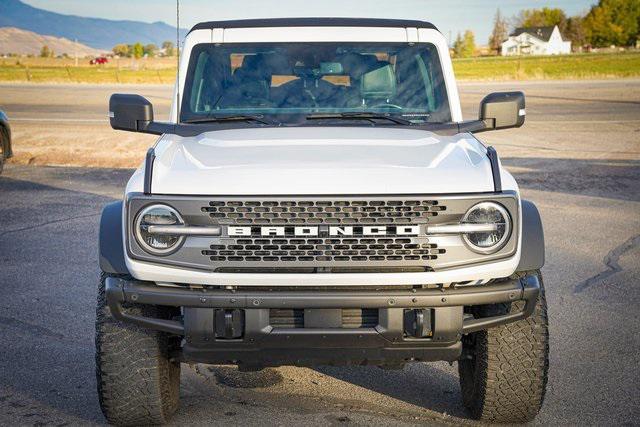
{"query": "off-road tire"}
(138, 383)
(503, 371)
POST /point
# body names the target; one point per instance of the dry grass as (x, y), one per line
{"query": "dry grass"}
(574, 67)
(105, 148)
(63, 70)
(163, 70)
(126, 63)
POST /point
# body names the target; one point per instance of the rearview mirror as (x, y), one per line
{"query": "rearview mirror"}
(134, 113)
(502, 110)
(330, 68)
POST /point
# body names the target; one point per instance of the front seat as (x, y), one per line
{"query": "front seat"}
(379, 86)
(250, 84)
(355, 65)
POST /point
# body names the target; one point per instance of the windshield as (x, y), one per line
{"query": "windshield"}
(287, 81)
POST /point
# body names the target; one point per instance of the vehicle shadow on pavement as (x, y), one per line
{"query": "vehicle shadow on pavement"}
(611, 179)
(428, 386)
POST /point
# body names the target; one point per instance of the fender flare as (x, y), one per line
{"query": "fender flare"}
(532, 253)
(111, 246)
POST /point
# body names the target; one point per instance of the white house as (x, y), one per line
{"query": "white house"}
(536, 41)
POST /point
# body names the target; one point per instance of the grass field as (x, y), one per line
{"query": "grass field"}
(63, 70)
(578, 66)
(162, 70)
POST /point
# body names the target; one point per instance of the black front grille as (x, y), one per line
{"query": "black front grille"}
(352, 318)
(361, 249)
(359, 211)
(321, 234)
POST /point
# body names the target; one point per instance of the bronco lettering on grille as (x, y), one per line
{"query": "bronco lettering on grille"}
(333, 231)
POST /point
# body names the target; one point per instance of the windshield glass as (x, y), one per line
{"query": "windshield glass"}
(292, 80)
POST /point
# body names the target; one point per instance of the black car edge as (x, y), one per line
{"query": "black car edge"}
(5, 139)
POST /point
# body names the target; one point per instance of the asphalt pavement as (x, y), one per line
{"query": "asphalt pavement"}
(577, 158)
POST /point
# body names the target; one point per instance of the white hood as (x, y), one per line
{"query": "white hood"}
(320, 160)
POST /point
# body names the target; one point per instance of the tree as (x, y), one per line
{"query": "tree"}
(545, 17)
(458, 46)
(150, 50)
(121, 50)
(575, 32)
(45, 52)
(137, 50)
(169, 48)
(469, 44)
(499, 33)
(464, 46)
(613, 22)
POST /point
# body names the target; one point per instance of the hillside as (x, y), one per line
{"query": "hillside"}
(93, 32)
(14, 40)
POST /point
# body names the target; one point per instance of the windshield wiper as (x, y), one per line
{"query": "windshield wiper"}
(234, 118)
(372, 117)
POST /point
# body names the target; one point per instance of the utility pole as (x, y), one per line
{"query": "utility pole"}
(75, 50)
(178, 61)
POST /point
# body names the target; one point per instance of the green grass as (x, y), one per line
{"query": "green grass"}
(53, 74)
(577, 66)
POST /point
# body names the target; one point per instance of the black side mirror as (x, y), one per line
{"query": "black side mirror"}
(134, 113)
(502, 110)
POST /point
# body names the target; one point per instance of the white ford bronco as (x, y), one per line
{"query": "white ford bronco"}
(317, 198)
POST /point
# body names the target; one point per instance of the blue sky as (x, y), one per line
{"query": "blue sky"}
(451, 16)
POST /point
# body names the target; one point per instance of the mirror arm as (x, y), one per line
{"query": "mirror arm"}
(488, 124)
(155, 128)
(476, 126)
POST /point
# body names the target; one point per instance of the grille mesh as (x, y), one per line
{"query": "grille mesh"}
(323, 211)
(323, 250)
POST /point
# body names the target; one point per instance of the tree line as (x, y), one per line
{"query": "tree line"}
(607, 23)
(138, 50)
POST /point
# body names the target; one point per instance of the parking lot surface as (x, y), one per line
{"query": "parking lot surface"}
(577, 158)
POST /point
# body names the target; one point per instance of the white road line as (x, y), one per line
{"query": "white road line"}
(52, 119)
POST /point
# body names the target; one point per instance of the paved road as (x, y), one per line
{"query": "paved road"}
(585, 183)
(576, 120)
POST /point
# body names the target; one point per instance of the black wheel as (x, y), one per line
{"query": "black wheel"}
(138, 383)
(503, 373)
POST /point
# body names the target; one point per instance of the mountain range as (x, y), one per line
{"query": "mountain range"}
(94, 32)
(23, 42)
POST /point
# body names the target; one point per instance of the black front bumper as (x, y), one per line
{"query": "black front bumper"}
(252, 340)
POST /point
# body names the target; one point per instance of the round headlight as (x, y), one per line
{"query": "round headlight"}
(490, 213)
(157, 244)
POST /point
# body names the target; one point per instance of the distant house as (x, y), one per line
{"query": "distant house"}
(536, 41)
